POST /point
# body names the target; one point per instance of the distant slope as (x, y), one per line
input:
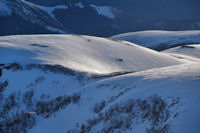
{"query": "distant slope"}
(81, 53)
(188, 50)
(21, 17)
(161, 40)
(97, 18)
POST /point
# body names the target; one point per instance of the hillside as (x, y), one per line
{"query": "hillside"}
(98, 18)
(159, 100)
(84, 84)
(188, 50)
(161, 40)
(81, 53)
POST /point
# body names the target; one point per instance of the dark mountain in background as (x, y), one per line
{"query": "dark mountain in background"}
(97, 17)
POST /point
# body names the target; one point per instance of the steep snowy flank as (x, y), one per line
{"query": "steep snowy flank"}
(161, 40)
(104, 11)
(4, 9)
(80, 5)
(49, 10)
(189, 50)
(81, 53)
(37, 15)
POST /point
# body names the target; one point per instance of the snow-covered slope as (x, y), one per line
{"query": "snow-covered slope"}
(29, 14)
(43, 91)
(81, 53)
(158, 100)
(161, 40)
(49, 10)
(188, 50)
(24, 7)
(104, 11)
(4, 9)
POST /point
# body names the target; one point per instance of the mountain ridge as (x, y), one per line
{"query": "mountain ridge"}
(97, 18)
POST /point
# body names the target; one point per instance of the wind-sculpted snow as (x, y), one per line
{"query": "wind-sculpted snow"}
(161, 40)
(188, 50)
(81, 53)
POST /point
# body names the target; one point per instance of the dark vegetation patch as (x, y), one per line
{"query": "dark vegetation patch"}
(2, 65)
(62, 70)
(100, 106)
(116, 40)
(162, 47)
(122, 117)
(48, 68)
(35, 82)
(93, 76)
(13, 67)
(47, 108)
(18, 111)
(119, 59)
(187, 46)
(18, 123)
(128, 44)
(3, 86)
(39, 45)
(173, 43)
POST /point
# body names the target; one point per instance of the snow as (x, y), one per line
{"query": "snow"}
(4, 9)
(158, 74)
(82, 53)
(80, 5)
(179, 81)
(104, 11)
(189, 50)
(39, 15)
(48, 10)
(55, 30)
(157, 37)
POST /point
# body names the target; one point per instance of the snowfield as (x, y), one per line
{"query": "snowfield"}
(84, 84)
(104, 11)
(82, 53)
(189, 50)
(177, 86)
(161, 40)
